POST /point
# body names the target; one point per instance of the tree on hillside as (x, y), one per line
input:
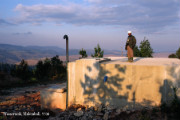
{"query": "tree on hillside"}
(40, 72)
(98, 52)
(83, 53)
(57, 67)
(145, 48)
(178, 53)
(23, 71)
(50, 69)
(136, 51)
(43, 69)
(172, 56)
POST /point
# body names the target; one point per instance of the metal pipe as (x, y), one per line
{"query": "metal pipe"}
(67, 51)
(67, 60)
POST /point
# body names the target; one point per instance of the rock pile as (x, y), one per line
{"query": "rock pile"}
(29, 101)
(98, 112)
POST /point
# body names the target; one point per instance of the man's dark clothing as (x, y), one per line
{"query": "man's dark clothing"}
(130, 44)
(131, 41)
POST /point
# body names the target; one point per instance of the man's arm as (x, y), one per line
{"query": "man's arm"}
(134, 41)
(127, 43)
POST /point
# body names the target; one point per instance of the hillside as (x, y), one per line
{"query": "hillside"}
(14, 53)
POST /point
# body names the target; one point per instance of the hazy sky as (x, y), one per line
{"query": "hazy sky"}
(89, 22)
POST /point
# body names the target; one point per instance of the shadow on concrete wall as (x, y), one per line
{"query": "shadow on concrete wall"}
(99, 90)
(166, 89)
(174, 72)
(109, 92)
(166, 92)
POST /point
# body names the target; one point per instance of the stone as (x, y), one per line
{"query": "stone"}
(95, 108)
(84, 118)
(34, 91)
(86, 114)
(97, 118)
(128, 111)
(110, 108)
(100, 114)
(71, 112)
(124, 109)
(27, 92)
(106, 116)
(28, 106)
(37, 119)
(99, 108)
(71, 117)
(132, 110)
(53, 118)
(118, 111)
(113, 115)
(62, 90)
(22, 98)
(78, 113)
(90, 112)
(90, 117)
(16, 108)
(61, 118)
(91, 108)
(79, 109)
(65, 117)
(86, 107)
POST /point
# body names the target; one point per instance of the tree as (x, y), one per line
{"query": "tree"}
(98, 52)
(23, 71)
(178, 53)
(39, 72)
(57, 67)
(172, 56)
(136, 51)
(83, 53)
(145, 49)
(50, 69)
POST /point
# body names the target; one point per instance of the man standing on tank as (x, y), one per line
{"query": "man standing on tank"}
(130, 44)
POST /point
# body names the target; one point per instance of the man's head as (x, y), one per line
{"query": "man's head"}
(129, 33)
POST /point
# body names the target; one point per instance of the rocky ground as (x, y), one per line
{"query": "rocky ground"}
(24, 104)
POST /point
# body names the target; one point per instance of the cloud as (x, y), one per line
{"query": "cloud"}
(146, 16)
(5, 22)
(25, 33)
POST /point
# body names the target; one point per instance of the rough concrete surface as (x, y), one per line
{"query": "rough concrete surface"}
(54, 97)
(145, 82)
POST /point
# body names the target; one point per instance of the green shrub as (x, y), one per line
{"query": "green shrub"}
(83, 53)
(98, 52)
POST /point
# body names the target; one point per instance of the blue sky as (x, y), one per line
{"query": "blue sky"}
(89, 22)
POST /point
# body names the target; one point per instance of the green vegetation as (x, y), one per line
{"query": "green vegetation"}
(21, 75)
(136, 51)
(50, 69)
(144, 50)
(172, 56)
(98, 52)
(83, 53)
(23, 71)
(176, 55)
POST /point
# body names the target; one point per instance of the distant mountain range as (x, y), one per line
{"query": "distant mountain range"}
(14, 53)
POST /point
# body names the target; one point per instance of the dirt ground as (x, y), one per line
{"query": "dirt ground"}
(24, 104)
